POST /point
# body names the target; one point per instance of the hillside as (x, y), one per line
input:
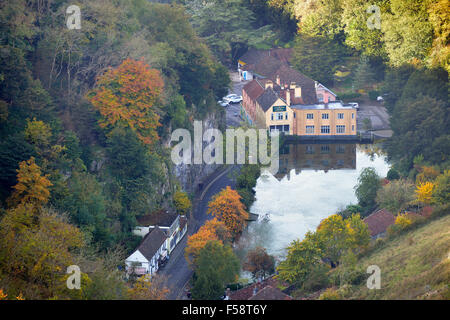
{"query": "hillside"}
(414, 265)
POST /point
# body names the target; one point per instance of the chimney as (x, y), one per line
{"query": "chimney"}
(278, 79)
(269, 84)
(298, 92)
(288, 97)
(292, 85)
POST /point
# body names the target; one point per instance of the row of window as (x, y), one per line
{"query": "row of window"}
(279, 116)
(326, 116)
(325, 149)
(326, 129)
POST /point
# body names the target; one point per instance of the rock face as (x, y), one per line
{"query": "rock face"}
(190, 175)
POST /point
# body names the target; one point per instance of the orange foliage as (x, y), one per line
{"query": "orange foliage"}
(128, 96)
(228, 208)
(31, 187)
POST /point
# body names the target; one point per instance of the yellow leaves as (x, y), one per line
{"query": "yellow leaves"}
(182, 202)
(31, 186)
(3, 295)
(227, 207)
(403, 221)
(129, 96)
(148, 287)
(424, 192)
(38, 132)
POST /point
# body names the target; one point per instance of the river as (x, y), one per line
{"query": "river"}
(314, 182)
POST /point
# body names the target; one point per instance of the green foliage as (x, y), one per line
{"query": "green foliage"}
(216, 267)
(393, 174)
(366, 189)
(318, 57)
(441, 191)
(246, 182)
(350, 210)
(364, 75)
(396, 196)
(226, 26)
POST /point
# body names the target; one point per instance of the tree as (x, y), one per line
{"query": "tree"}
(364, 75)
(36, 250)
(259, 263)
(217, 267)
(407, 31)
(182, 202)
(149, 288)
(427, 174)
(396, 195)
(227, 207)
(424, 192)
(310, 58)
(210, 231)
(32, 186)
(302, 257)
(367, 187)
(441, 192)
(226, 26)
(129, 97)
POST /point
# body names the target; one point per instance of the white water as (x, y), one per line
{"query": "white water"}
(298, 202)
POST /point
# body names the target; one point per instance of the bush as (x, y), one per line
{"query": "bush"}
(330, 294)
(393, 175)
(349, 95)
(373, 95)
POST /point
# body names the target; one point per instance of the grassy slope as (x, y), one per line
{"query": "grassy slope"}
(415, 265)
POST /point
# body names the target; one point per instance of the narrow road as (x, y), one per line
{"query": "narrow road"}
(177, 271)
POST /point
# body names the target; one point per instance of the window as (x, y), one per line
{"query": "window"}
(324, 115)
(309, 149)
(286, 128)
(325, 149)
(340, 116)
(310, 116)
(320, 97)
(279, 116)
(272, 117)
(340, 149)
(340, 129)
(353, 127)
(353, 115)
(294, 115)
(325, 129)
(340, 162)
(309, 129)
(285, 116)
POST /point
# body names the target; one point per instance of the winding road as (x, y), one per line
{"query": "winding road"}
(177, 271)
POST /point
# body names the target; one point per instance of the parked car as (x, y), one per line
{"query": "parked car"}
(223, 103)
(232, 98)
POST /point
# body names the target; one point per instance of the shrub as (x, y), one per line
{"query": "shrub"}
(330, 294)
(373, 95)
(349, 95)
(393, 175)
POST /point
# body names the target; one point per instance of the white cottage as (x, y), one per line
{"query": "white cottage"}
(149, 255)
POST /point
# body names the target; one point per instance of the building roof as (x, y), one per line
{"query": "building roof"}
(267, 99)
(248, 292)
(270, 293)
(329, 105)
(379, 221)
(288, 75)
(265, 67)
(252, 56)
(253, 89)
(152, 242)
(160, 218)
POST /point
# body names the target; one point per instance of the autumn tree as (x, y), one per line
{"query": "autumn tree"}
(227, 207)
(210, 231)
(32, 186)
(259, 263)
(182, 202)
(426, 174)
(424, 192)
(129, 96)
(35, 253)
(441, 192)
(149, 288)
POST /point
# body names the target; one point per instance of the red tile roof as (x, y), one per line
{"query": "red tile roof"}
(379, 221)
(253, 89)
(247, 292)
